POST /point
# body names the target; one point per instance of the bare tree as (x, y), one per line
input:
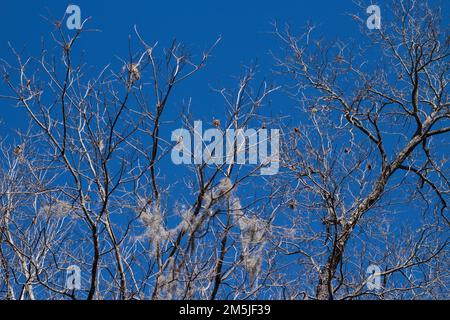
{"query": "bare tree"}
(363, 179)
(369, 163)
(85, 186)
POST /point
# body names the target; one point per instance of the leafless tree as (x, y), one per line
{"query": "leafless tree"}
(363, 178)
(368, 161)
(85, 187)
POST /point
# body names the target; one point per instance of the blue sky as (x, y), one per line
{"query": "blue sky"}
(243, 24)
(245, 28)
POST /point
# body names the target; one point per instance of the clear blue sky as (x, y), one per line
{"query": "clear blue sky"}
(244, 25)
(245, 28)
